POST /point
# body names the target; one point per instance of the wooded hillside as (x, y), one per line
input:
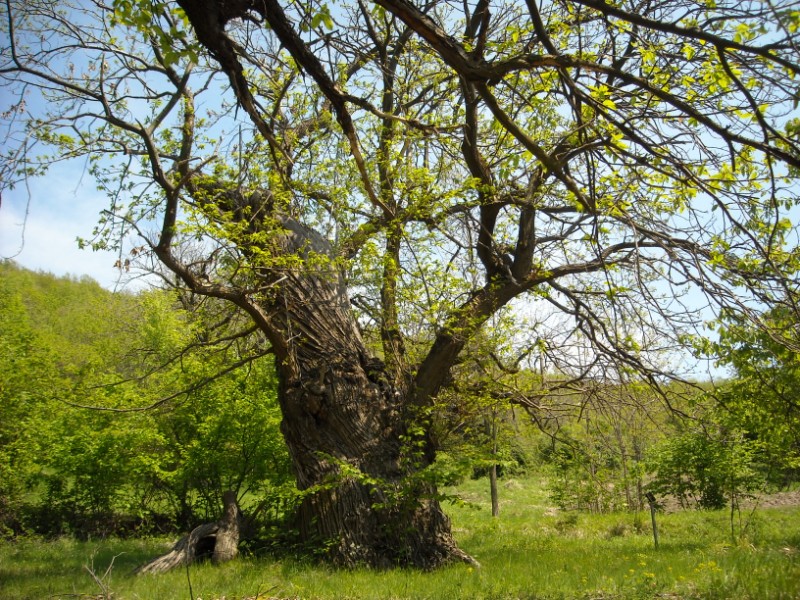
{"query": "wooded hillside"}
(114, 418)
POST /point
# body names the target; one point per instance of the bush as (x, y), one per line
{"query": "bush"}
(706, 470)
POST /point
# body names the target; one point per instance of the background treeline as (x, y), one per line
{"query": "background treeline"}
(172, 425)
(67, 344)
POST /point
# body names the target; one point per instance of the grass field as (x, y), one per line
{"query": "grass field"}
(530, 552)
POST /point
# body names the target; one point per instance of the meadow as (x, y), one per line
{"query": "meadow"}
(531, 551)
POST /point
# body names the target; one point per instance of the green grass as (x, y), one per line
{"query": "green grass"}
(529, 552)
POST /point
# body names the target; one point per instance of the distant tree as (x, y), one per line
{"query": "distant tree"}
(48, 343)
(624, 165)
(599, 439)
(746, 437)
(761, 398)
(26, 368)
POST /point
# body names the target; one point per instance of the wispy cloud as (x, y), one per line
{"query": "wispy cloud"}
(60, 208)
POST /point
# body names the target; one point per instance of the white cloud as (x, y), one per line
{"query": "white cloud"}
(60, 208)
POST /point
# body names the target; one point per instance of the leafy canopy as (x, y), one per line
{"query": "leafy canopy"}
(625, 167)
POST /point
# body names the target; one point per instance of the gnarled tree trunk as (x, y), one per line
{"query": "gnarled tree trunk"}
(345, 421)
(344, 424)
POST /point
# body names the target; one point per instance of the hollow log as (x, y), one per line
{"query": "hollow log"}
(218, 540)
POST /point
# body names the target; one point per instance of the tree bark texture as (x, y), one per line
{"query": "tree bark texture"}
(345, 423)
(344, 437)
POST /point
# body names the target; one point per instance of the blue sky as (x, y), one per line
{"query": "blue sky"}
(61, 207)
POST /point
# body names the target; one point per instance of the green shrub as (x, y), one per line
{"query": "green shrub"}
(706, 470)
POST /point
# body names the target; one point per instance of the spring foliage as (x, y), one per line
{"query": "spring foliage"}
(79, 455)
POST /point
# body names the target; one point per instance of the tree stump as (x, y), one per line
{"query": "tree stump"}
(218, 540)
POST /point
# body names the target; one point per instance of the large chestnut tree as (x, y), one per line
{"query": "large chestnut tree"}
(371, 182)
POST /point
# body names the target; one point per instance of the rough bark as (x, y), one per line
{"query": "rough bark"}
(345, 447)
(218, 540)
(345, 422)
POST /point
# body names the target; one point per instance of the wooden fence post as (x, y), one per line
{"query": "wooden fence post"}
(651, 500)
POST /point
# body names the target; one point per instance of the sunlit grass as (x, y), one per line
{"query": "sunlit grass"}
(530, 551)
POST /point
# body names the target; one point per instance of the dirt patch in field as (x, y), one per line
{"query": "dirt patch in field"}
(777, 499)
